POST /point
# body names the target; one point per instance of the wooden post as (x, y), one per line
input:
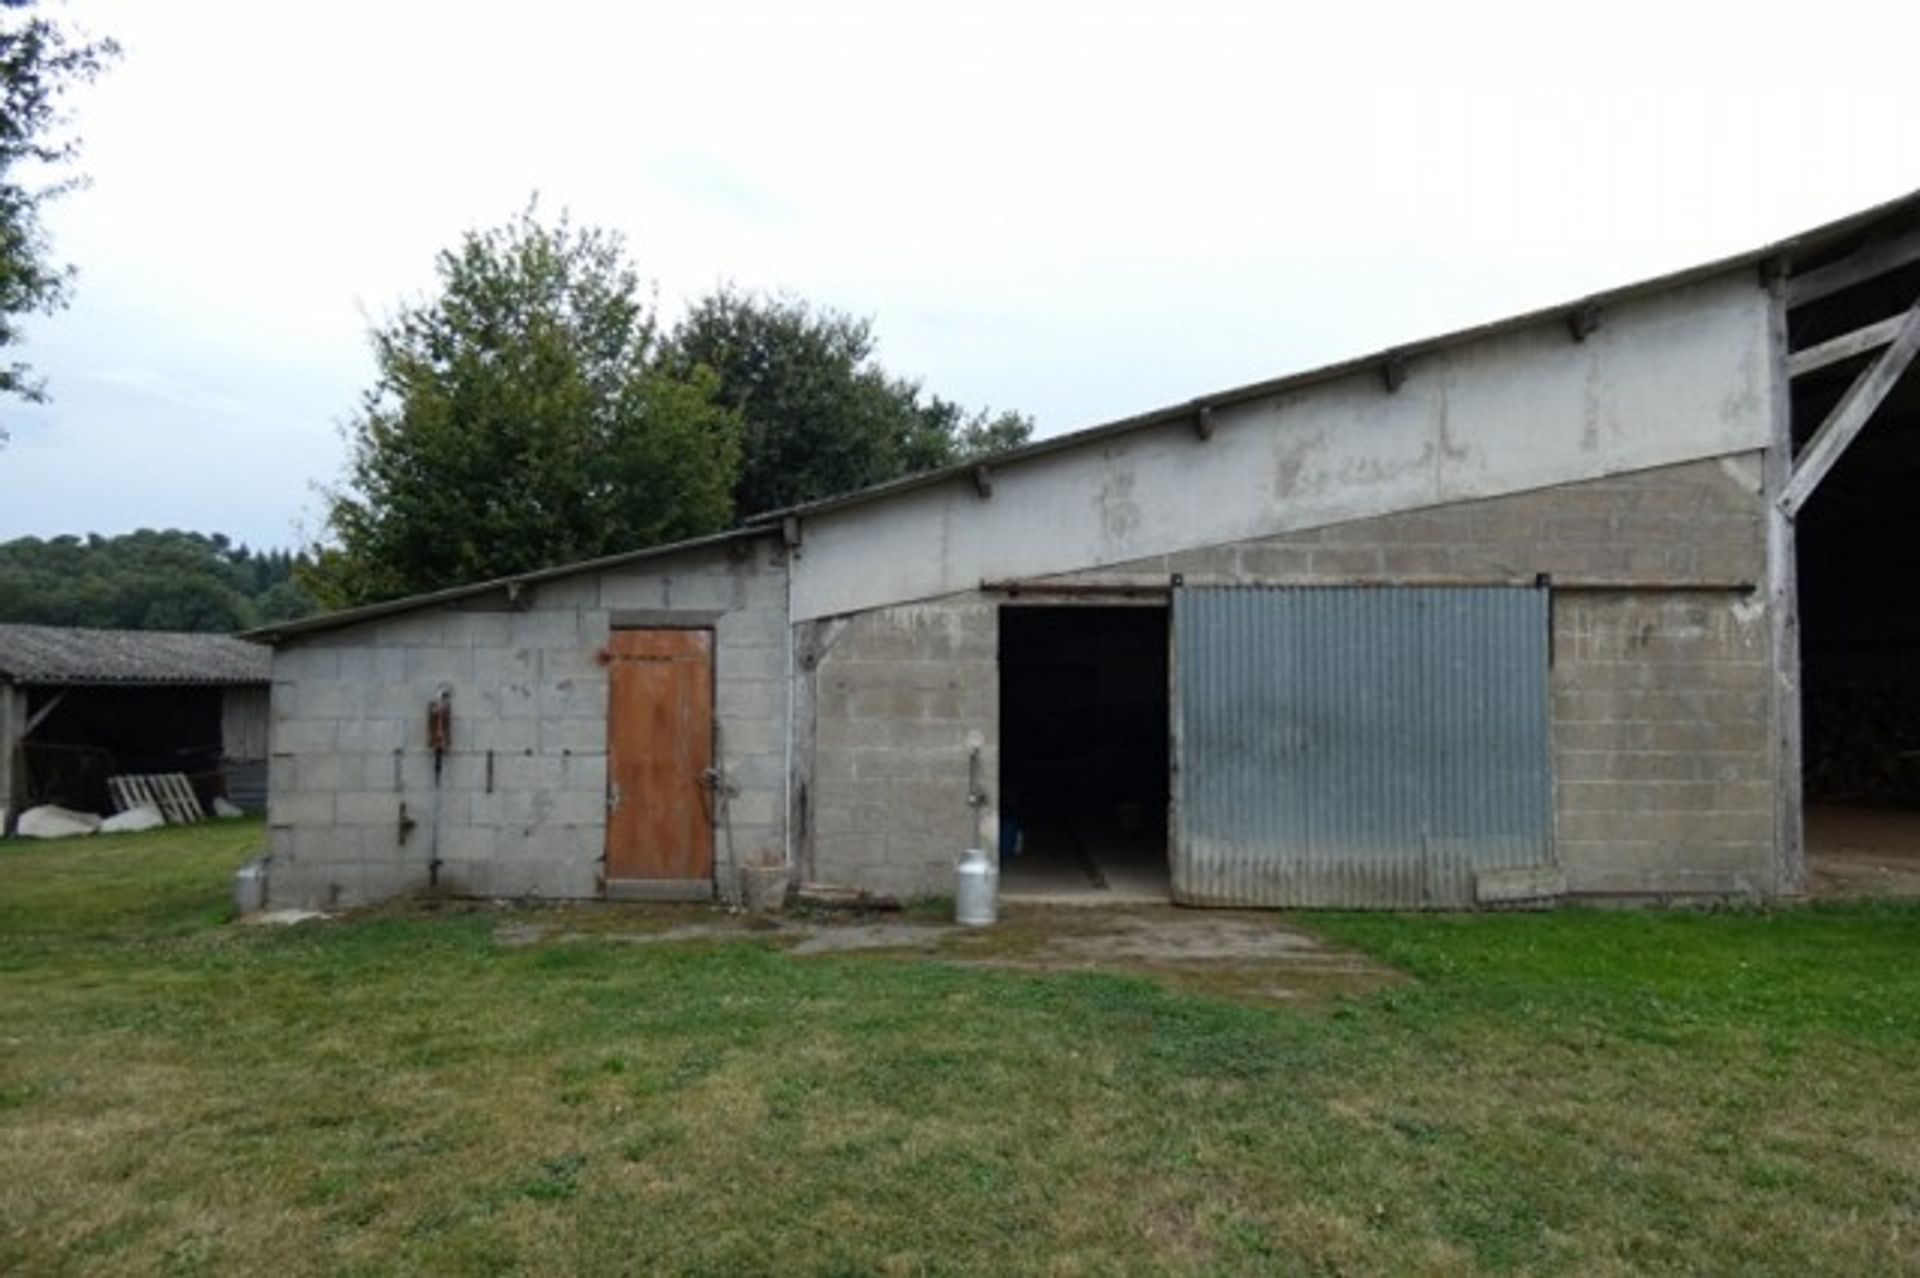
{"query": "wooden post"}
(13, 762)
(1783, 612)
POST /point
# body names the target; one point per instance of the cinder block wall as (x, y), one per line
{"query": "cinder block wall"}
(1662, 743)
(901, 696)
(349, 743)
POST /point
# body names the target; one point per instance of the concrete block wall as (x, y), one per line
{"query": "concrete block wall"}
(1662, 744)
(1697, 522)
(349, 743)
(1661, 741)
(901, 697)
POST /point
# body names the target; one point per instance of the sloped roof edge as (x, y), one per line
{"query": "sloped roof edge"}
(1788, 248)
(767, 522)
(74, 656)
(454, 594)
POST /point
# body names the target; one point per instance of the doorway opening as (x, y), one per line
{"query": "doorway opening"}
(1858, 545)
(1084, 752)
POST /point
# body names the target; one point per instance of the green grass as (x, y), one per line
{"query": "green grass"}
(399, 1092)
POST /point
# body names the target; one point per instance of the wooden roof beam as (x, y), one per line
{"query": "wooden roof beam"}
(1844, 347)
(1850, 416)
(1859, 267)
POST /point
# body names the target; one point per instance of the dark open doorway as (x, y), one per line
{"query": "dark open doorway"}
(1084, 751)
(1858, 541)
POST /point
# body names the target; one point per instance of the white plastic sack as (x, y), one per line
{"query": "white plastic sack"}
(223, 808)
(143, 816)
(50, 822)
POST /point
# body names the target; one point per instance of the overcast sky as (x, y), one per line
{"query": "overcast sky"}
(1080, 211)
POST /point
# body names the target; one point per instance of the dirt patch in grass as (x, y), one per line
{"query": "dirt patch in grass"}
(1241, 956)
(1230, 954)
(852, 936)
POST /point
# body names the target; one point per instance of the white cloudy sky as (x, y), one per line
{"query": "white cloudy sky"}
(1077, 210)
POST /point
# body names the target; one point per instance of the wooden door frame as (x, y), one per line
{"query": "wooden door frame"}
(667, 890)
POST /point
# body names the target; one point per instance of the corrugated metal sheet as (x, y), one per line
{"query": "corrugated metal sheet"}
(72, 655)
(1357, 747)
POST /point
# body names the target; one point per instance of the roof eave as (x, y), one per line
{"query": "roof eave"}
(1185, 410)
(63, 681)
(453, 594)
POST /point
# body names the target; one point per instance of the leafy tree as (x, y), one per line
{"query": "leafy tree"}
(148, 580)
(285, 600)
(523, 418)
(39, 63)
(819, 416)
(955, 435)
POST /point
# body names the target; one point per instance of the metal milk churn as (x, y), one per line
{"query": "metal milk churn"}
(976, 887)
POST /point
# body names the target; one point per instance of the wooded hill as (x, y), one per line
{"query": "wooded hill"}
(148, 580)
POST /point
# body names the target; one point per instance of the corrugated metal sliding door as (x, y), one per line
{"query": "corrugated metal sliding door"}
(1357, 747)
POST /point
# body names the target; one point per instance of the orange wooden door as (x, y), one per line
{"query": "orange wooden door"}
(659, 747)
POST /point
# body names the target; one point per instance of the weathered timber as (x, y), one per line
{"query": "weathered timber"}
(1850, 416)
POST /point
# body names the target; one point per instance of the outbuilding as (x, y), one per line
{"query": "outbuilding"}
(78, 706)
(1523, 612)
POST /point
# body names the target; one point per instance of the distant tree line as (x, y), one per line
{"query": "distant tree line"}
(536, 412)
(148, 580)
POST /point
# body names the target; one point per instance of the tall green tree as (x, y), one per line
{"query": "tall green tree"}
(523, 417)
(40, 62)
(819, 415)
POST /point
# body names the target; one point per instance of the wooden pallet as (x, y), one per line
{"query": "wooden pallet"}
(170, 792)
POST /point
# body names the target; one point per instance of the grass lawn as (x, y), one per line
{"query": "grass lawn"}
(1590, 1092)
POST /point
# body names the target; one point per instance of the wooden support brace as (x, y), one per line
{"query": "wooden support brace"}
(1582, 320)
(790, 531)
(1203, 422)
(983, 481)
(1845, 346)
(53, 703)
(1851, 414)
(1861, 266)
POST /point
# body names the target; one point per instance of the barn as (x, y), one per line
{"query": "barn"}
(80, 705)
(1584, 604)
